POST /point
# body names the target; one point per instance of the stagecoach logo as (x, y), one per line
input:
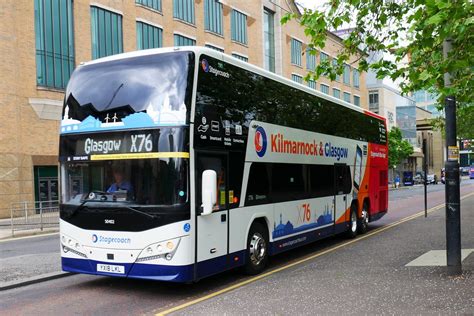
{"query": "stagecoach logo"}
(94, 238)
(260, 141)
(209, 69)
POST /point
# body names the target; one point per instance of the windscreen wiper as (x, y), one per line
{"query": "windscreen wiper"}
(138, 211)
(80, 206)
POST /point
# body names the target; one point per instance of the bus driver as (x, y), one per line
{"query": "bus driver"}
(120, 183)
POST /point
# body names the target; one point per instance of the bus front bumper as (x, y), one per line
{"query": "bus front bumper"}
(129, 270)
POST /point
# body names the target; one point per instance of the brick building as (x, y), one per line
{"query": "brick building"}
(41, 41)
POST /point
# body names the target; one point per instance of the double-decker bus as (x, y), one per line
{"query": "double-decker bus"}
(179, 163)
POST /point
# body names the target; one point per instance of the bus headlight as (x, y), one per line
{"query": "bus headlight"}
(71, 245)
(162, 250)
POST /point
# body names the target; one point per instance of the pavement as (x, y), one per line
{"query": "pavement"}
(368, 277)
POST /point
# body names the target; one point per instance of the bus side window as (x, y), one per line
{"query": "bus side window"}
(287, 182)
(322, 180)
(258, 185)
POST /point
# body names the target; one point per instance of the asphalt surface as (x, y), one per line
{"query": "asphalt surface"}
(31, 257)
(370, 276)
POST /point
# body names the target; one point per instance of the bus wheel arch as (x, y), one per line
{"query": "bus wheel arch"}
(257, 247)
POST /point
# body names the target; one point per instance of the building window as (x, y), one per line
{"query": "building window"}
(54, 42)
(180, 40)
(312, 84)
(239, 27)
(149, 36)
(323, 56)
(297, 78)
(347, 97)
(215, 48)
(269, 39)
(240, 57)
(374, 101)
(346, 77)
(310, 59)
(184, 10)
(356, 100)
(106, 33)
(336, 93)
(334, 64)
(152, 4)
(356, 78)
(419, 96)
(296, 52)
(324, 88)
(213, 16)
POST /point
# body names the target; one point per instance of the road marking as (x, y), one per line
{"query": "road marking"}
(300, 261)
(28, 237)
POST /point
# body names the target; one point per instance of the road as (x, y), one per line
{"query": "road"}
(83, 294)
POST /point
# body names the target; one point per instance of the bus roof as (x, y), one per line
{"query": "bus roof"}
(198, 50)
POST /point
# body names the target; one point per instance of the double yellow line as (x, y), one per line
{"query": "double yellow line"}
(300, 261)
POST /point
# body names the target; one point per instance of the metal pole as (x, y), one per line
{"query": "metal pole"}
(25, 207)
(41, 215)
(425, 171)
(453, 209)
(11, 219)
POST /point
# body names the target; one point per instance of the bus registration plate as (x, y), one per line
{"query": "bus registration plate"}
(109, 268)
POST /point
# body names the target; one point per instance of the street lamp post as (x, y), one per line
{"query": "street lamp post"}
(453, 207)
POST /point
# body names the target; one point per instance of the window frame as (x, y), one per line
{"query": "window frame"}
(96, 52)
(214, 24)
(180, 12)
(296, 49)
(54, 47)
(239, 36)
(143, 23)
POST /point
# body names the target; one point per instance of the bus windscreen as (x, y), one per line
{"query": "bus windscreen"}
(159, 85)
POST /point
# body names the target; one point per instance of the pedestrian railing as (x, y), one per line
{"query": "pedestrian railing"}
(34, 215)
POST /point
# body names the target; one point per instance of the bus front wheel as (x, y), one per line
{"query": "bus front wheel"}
(257, 249)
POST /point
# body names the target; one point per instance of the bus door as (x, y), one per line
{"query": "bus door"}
(341, 174)
(212, 229)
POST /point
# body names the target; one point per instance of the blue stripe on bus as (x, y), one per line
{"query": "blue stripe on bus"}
(306, 238)
(132, 270)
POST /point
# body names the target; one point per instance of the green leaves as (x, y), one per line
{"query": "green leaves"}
(398, 148)
(408, 35)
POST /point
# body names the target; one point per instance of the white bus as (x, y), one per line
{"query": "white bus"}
(179, 163)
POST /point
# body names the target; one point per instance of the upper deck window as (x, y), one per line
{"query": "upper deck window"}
(144, 91)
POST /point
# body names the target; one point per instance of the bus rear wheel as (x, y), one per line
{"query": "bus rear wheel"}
(364, 219)
(353, 224)
(257, 249)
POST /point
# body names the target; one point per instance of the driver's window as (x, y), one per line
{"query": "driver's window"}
(217, 163)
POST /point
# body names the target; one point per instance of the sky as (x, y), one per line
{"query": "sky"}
(311, 4)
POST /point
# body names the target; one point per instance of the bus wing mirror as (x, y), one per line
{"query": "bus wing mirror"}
(209, 191)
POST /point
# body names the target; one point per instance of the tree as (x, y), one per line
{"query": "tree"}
(398, 148)
(464, 122)
(408, 34)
